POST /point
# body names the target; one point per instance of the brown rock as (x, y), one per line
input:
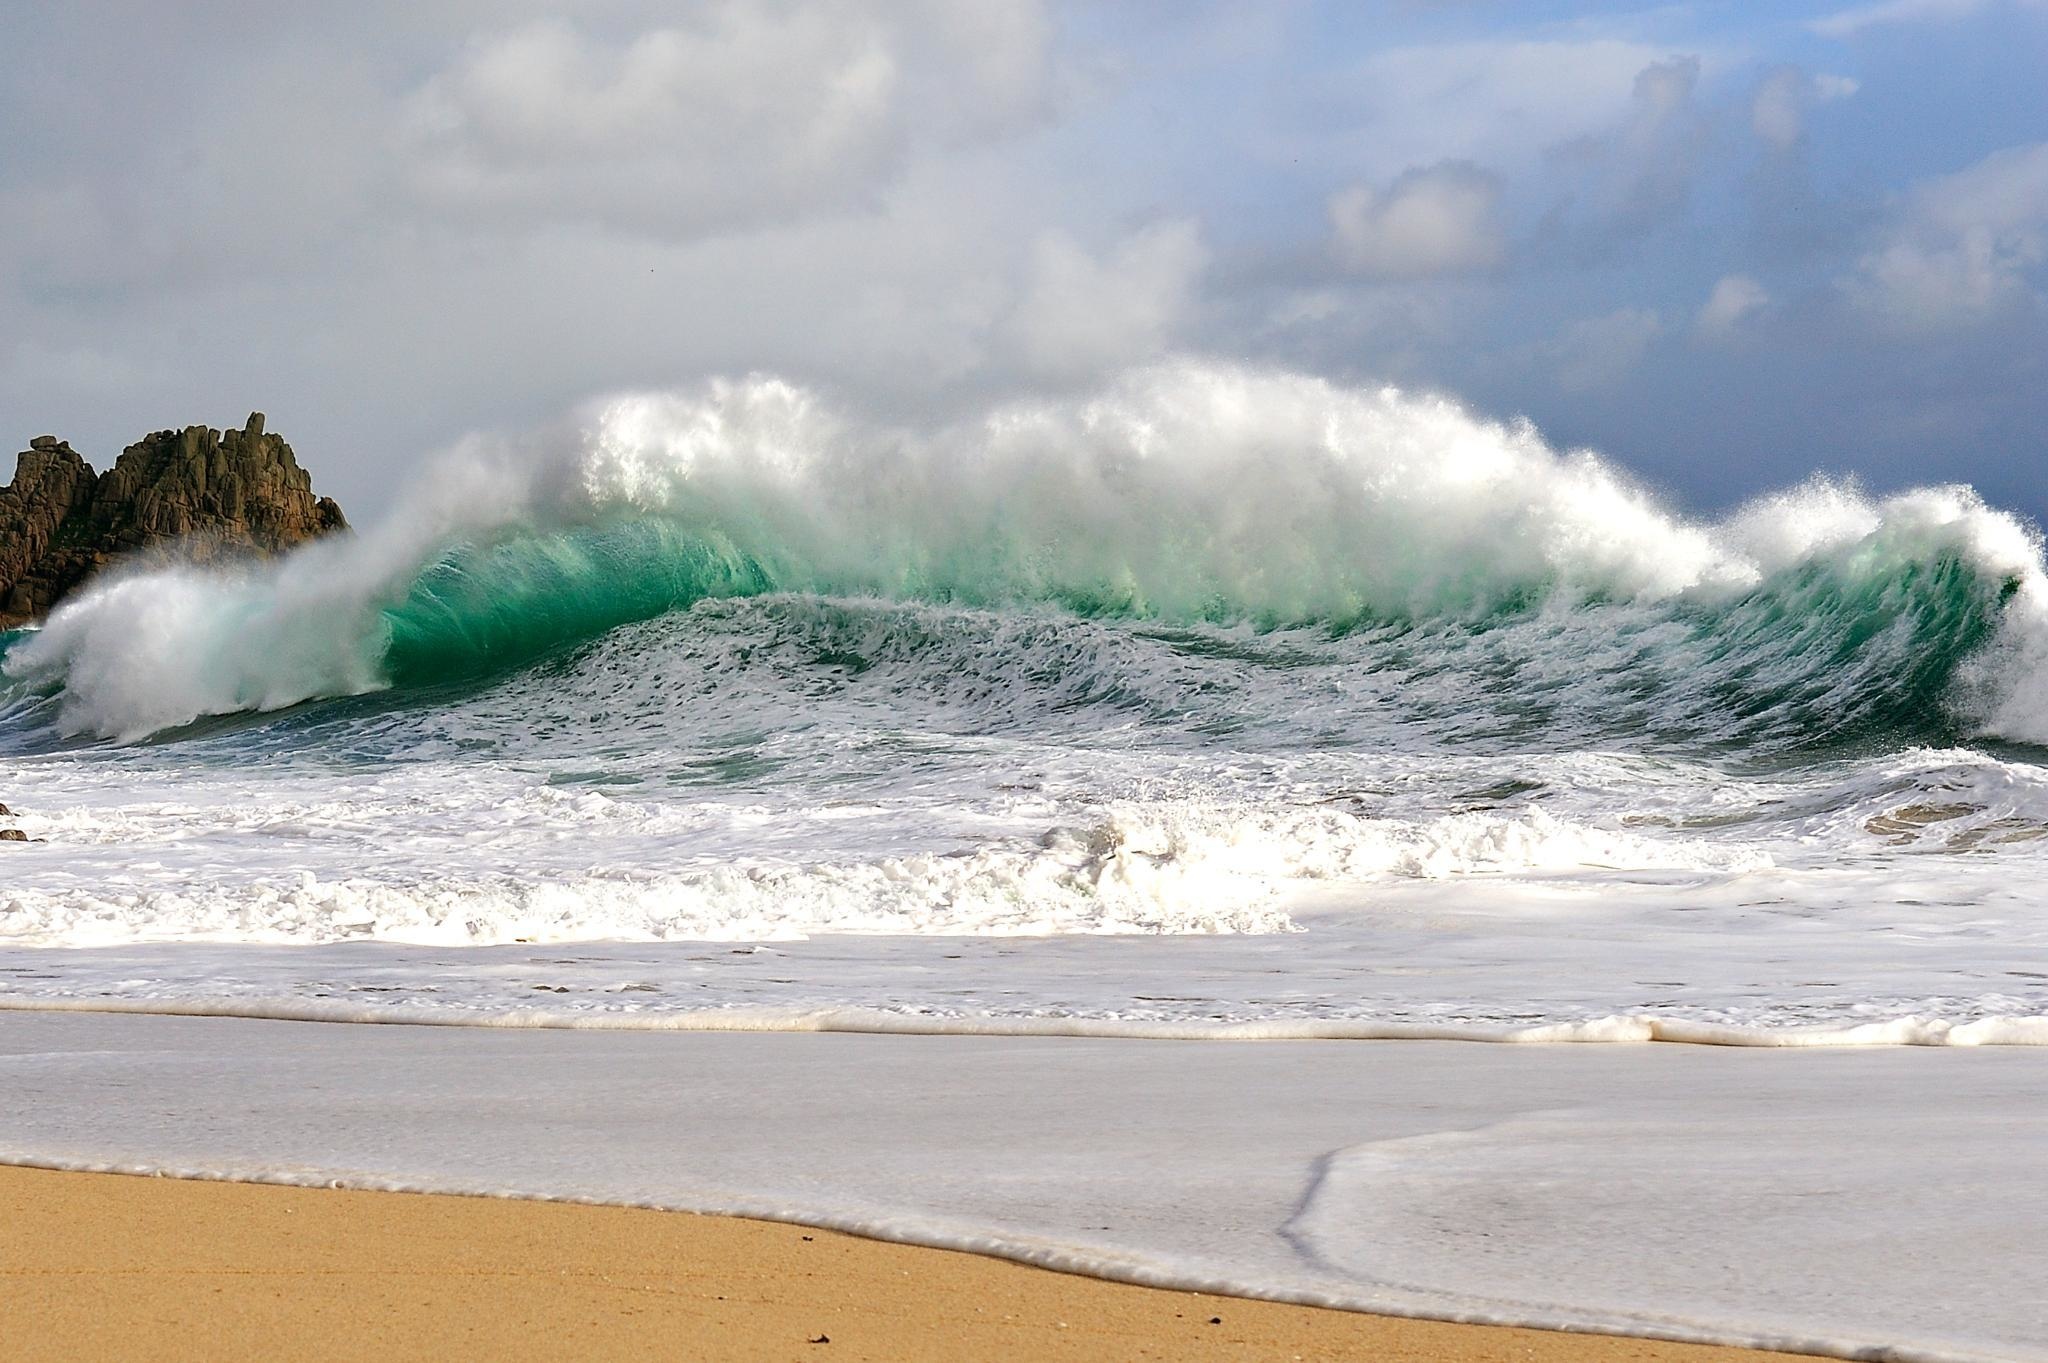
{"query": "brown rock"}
(41, 513)
(12, 835)
(219, 494)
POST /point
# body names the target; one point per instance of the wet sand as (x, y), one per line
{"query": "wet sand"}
(107, 1266)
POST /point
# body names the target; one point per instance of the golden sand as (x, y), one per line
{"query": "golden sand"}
(101, 1266)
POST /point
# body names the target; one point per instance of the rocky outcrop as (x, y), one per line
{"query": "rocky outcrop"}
(216, 494)
(52, 490)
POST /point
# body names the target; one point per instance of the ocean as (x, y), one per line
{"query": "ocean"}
(1216, 702)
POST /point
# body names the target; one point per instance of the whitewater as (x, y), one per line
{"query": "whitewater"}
(1220, 702)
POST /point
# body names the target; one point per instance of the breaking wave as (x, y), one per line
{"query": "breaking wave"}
(1385, 532)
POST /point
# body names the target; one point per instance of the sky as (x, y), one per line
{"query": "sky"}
(1727, 245)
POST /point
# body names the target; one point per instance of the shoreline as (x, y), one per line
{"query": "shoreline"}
(1915, 1030)
(1603, 1189)
(106, 1264)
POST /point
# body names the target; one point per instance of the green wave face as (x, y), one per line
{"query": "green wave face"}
(1811, 660)
(1812, 657)
(478, 611)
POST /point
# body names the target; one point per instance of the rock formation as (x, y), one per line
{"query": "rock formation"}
(217, 494)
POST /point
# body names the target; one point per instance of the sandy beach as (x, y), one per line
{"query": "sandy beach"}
(111, 1266)
(1615, 1189)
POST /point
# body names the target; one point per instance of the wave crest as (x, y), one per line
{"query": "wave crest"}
(1187, 493)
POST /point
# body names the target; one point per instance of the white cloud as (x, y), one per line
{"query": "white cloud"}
(1603, 135)
(693, 128)
(981, 65)
(1439, 220)
(1849, 22)
(1497, 103)
(1777, 112)
(1662, 88)
(750, 112)
(1597, 352)
(1639, 172)
(1080, 314)
(1735, 300)
(1964, 249)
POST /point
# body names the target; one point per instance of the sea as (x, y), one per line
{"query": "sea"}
(1216, 702)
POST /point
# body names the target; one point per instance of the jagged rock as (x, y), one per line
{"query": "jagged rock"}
(12, 835)
(217, 494)
(51, 493)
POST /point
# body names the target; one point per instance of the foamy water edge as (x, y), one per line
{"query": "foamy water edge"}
(1036, 1252)
(1610, 1030)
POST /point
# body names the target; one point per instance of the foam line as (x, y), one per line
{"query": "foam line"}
(1614, 1029)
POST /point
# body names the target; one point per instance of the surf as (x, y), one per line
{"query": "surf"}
(1189, 495)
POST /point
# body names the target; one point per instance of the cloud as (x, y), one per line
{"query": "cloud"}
(1603, 137)
(1964, 249)
(1660, 147)
(1637, 174)
(973, 68)
(1439, 220)
(1662, 88)
(279, 239)
(751, 116)
(1735, 300)
(338, 146)
(275, 180)
(1081, 315)
(1777, 112)
(749, 113)
(1848, 23)
(1499, 102)
(1597, 352)
(390, 222)
(80, 371)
